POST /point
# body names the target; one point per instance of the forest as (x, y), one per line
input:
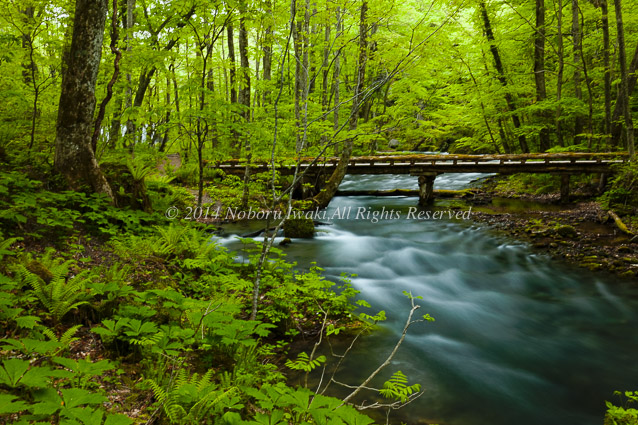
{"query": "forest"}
(112, 112)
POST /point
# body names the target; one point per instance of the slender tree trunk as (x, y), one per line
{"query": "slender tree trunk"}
(231, 59)
(230, 39)
(559, 73)
(116, 73)
(485, 120)
(498, 63)
(361, 67)
(130, 22)
(298, 47)
(244, 94)
(590, 97)
(607, 64)
(74, 156)
(244, 81)
(267, 47)
(116, 124)
(147, 73)
(539, 70)
(325, 67)
(578, 93)
(626, 94)
(30, 71)
(616, 125)
(30, 68)
(322, 199)
(336, 75)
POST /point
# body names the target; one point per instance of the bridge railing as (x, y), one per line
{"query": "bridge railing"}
(420, 159)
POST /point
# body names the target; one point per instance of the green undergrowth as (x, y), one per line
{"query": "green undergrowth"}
(115, 316)
(625, 412)
(529, 184)
(622, 193)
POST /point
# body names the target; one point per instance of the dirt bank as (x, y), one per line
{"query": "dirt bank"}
(580, 233)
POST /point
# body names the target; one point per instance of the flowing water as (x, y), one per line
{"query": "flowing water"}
(518, 339)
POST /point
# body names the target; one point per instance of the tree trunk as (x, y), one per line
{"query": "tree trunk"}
(361, 68)
(578, 93)
(485, 120)
(244, 81)
(325, 67)
(244, 94)
(74, 156)
(539, 70)
(130, 22)
(30, 68)
(298, 46)
(322, 199)
(164, 140)
(97, 128)
(616, 125)
(147, 73)
(498, 63)
(626, 94)
(231, 58)
(607, 65)
(337, 75)
(559, 73)
(267, 47)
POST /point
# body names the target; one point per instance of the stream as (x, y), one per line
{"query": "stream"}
(519, 338)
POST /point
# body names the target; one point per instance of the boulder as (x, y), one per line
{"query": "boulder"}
(299, 228)
(393, 144)
(566, 231)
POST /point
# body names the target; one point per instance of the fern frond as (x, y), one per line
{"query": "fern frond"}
(158, 392)
(68, 336)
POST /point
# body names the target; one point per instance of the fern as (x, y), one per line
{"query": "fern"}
(191, 399)
(60, 295)
(304, 362)
(5, 244)
(397, 387)
(65, 340)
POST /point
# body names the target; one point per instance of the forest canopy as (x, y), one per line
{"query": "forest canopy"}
(464, 76)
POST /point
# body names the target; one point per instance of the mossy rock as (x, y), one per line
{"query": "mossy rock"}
(566, 231)
(299, 228)
(592, 266)
(40, 270)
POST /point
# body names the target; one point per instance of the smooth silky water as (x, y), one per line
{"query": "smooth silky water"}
(518, 339)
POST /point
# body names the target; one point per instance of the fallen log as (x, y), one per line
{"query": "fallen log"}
(408, 192)
(619, 223)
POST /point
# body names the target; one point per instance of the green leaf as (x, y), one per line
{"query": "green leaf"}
(74, 397)
(48, 402)
(8, 405)
(117, 419)
(27, 321)
(12, 370)
(232, 418)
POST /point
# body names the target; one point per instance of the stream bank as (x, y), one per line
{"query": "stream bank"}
(581, 233)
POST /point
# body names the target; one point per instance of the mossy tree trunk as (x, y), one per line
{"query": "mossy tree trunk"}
(74, 155)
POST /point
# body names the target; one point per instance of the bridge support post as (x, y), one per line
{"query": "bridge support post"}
(426, 189)
(564, 187)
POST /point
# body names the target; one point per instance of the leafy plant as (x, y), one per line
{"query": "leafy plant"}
(397, 387)
(622, 415)
(61, 294)
(194, 399)
(85, 369)
(304, 363)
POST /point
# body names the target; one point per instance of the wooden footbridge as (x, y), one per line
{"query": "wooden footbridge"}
(427, 167)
